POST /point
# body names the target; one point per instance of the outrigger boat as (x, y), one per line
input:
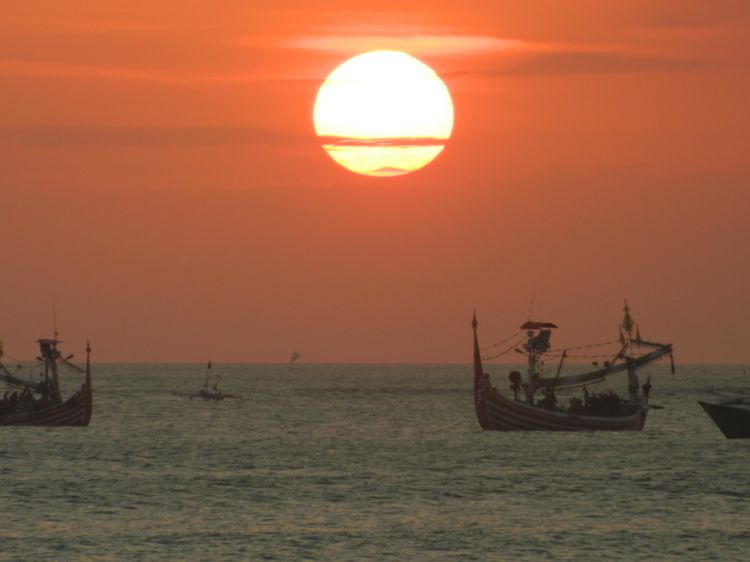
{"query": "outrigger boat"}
(211, 391)
(40, 403)
(527, 410)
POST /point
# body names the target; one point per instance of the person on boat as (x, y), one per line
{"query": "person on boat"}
(576, 405)
(43, 388)
(12, 402)
(549, 401)
(515, 383)
(646, 388)
(487, 383)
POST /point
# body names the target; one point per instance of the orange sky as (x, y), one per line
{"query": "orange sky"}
(161, 180)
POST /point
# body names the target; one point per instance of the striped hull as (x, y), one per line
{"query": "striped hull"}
(495, 412)
(75, 411)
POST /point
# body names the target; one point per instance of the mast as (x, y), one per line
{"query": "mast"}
(531, 369)
(54, 319)
(49, 356)
(633, 385)
(88, 365)
(538, 334)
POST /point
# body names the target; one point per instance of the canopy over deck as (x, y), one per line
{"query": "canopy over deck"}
(531, 325)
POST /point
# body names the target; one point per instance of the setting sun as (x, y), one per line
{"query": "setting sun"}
(383, 113)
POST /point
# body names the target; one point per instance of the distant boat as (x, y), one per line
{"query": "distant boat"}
(731, 416)
(211, 391)
(294, 357)
(40, 403)
(526, 410)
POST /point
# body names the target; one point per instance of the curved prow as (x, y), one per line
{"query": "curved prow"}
(478, 370)
(87, 389)
(87, 380)
(479, 402)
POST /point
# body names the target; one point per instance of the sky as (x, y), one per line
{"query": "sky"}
(162, 188)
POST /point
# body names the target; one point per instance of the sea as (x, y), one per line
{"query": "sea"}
(368, 462)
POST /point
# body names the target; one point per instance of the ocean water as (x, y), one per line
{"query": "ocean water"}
(368, 462)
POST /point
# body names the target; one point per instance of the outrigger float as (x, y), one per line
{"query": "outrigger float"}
(211, 391)
(527, 410)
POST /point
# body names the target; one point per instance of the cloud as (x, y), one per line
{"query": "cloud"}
(416, 44)
(64, 69)
(106, 136)
(344, 142)
(604, 63)
(511, 57)
(581, 62)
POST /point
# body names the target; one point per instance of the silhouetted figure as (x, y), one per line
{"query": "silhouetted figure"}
(576, 405)
(646, 388)
(550, 400)
(515, 383)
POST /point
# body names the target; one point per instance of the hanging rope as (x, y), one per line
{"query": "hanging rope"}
(591, 345)
(512, 347)
(502, 342)
(14, 360)
(558, 352)
(581, 356)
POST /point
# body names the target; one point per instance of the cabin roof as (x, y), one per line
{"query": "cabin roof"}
(531, 325)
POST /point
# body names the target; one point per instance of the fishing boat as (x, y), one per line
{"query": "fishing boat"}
(29, 402)
(211, 391)
(533, 404)
(732, 416)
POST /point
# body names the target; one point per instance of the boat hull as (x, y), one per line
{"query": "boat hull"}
(733, 421)
(75, 411)
(496, 412)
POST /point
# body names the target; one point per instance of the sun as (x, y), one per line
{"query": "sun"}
(383, 113)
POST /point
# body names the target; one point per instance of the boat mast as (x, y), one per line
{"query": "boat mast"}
(531, 371)
(627, 325)
(48, 356)
(88, 365)
(538, 334)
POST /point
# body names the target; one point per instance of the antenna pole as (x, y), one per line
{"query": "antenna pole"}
(533, 294)
(54, 319)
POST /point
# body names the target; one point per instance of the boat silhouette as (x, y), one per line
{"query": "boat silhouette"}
(533, 405)
(41, 403)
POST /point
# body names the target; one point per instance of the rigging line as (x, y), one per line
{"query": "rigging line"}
(501, 342)
(519, 342)
(19, 360)
(579, 356)
(586, 356)
(591, 345)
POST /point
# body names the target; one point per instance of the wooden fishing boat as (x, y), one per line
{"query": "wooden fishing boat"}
(40, 403)
(533, 405)
(731, 416)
